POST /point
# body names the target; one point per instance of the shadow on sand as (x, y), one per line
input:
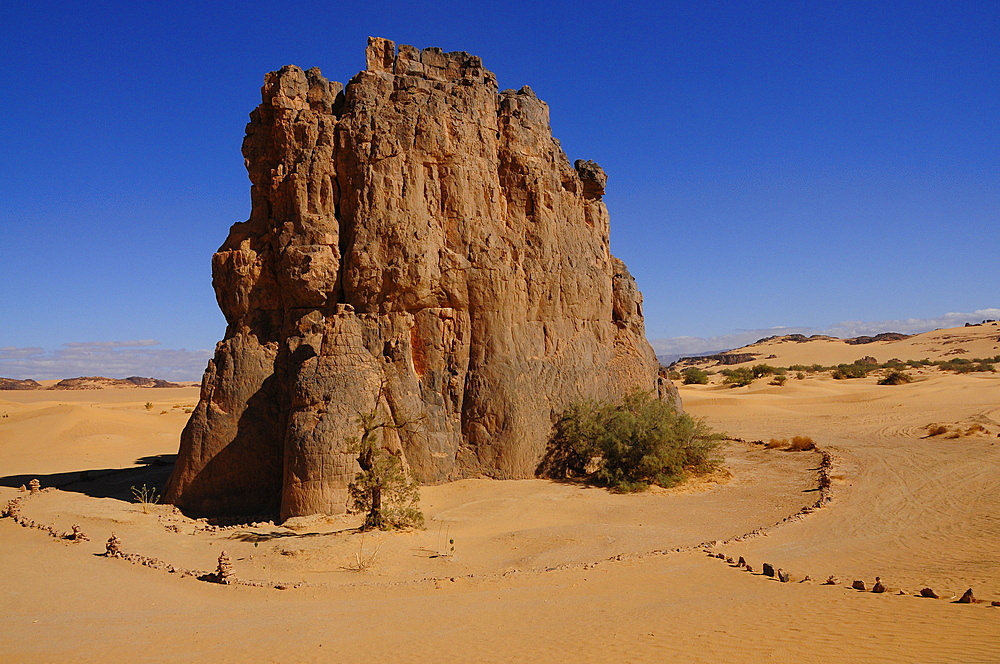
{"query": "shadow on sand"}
(117, 483)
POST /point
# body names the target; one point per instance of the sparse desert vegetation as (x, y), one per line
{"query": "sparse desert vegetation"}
(634, 444)
(694, 376)
(146, 496)
(896, 377)
(796, 444)
(382, 490)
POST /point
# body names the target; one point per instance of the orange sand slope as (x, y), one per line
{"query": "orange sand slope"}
(540, 570)
(977, 341)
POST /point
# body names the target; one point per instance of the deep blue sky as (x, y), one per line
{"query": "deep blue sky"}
(771, 163)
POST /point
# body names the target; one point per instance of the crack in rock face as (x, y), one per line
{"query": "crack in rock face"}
(418, 244)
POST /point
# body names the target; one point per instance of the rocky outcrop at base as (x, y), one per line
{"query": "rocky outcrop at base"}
(419, 245)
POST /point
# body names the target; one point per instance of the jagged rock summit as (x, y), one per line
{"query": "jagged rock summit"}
(417, 239)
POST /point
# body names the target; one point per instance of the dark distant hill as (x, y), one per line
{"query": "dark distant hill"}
(15, 384)
(101, 383)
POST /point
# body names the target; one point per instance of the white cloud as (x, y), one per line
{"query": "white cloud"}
(13, 353)
(112, 344)
(853, 328)
(113, 359)
(682, 346)
(694, 345)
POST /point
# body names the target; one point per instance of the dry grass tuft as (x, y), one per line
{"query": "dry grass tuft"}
(936, 429)
(775, 443)
(364, 562)
(801, 444)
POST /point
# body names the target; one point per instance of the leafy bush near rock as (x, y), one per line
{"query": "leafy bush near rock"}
(631, 445)
(382, 490)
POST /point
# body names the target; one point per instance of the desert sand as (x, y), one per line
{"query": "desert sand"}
(540, 571)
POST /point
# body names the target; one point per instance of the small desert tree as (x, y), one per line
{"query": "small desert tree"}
(695, 376)
(382, 490)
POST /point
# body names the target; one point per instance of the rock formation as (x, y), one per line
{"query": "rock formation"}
(417, 234)
(102, 383)
(15, 384)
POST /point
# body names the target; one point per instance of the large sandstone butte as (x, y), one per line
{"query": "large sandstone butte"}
(416, 235)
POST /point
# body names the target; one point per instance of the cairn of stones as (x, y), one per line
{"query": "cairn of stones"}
(224, 572)
(113, 549)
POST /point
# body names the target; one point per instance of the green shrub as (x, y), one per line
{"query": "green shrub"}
(896, 377)
(800, 376)
(761, 370)
(693, 376)
(962, 365)
(778, 380)
(632, 445)
(738, 377)
(851, 371)
(674, 374)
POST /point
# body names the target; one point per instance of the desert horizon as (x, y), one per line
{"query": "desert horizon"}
(543, 562)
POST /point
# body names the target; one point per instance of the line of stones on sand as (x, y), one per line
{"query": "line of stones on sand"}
(768, 570)
(223, 574)
(826, 496)
(823, 486)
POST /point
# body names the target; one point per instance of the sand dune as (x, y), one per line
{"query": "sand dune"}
(977, 341)
(540, 570)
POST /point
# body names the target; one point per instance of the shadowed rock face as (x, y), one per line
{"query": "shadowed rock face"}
(415, 234)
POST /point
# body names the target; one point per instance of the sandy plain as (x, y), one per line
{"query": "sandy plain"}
(540, 571)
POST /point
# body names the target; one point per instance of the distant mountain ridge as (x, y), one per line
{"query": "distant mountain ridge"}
(87, 383)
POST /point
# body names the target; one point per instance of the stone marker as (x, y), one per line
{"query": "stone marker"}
(224, 571)
(113, 549)
(967, 598)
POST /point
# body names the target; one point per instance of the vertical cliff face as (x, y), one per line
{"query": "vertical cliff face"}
(420, 236)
